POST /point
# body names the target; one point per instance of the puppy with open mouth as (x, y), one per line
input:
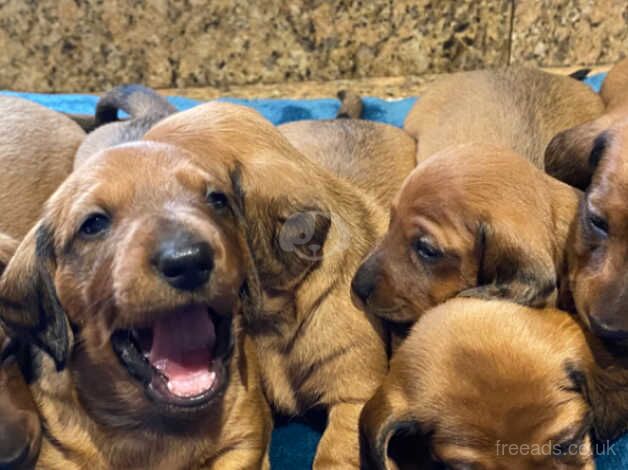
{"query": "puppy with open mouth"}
(307, 230)
(128, 286)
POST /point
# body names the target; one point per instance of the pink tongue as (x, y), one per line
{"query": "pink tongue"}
(181, 350)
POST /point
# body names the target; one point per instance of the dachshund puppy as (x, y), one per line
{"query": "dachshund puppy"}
(20, 427)
(516, 107)
(492, 385)
(144, 106)
(129, 285)
(37, 147)
(373, 156)
(472, 220)
(307, 231)
(598, 266)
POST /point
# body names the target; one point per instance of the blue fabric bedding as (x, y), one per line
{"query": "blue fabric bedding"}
(294, 440)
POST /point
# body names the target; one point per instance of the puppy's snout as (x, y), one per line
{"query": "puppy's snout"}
(184, 262)
(364, 281)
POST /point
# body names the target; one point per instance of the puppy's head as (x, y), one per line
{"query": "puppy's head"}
(292, 207)
(598, 260)
(486, 385)
(472, 220)
(131, 280)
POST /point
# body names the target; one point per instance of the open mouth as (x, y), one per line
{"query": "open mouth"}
(181, 358)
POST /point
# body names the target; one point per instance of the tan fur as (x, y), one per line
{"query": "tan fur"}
(373, 156)
(474, 375)
(307, 230)
(497, 227)
(515, 107)
(37, 147)
(96, 414)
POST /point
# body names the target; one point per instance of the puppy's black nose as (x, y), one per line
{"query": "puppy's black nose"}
(363, 283)
(184, 262)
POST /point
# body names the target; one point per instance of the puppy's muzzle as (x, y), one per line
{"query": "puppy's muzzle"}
(364, 282)
(183, 261)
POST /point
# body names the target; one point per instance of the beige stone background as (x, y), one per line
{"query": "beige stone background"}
(206, 48)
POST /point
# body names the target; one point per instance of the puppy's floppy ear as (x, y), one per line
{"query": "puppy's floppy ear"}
(507, 269)
(606, 391)
(572, 155)
(389, 432)
(29, 305)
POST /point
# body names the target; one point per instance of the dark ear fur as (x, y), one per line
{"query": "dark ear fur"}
(508, 271)
(568, 156)
(606, 391)
(29, 306)
(389, 432)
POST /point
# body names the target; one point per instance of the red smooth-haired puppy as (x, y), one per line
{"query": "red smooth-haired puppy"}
(492, 385)
(472, 220)
(598, 251)
(37, 147)
(128, 288)
(307, 230)
(516, 107)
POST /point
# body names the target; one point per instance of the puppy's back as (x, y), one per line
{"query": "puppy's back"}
(37, 147)
(375, 157)
(514, 107)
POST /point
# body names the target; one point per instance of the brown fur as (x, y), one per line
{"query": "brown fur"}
(474, 375)
(37, 147)
(96, 414)
(598, 256)
(473, 220)
(307, 230)
(373, 156)
(515, 107)
(20, 427)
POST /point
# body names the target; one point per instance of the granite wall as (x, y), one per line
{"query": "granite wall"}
(90, 45)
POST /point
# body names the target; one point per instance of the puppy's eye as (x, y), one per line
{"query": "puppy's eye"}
(94, 225)
(598, 223)
(426, 251)
(217, 199)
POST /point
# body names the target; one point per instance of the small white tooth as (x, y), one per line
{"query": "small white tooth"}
(160, 365)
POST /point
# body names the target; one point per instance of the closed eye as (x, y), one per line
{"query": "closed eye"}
(598, 224)
(426, 250)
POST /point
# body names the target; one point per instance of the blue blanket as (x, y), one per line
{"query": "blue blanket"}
(294, 441)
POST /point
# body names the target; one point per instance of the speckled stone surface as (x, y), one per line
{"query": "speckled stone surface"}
(553, 33)
(91, 45)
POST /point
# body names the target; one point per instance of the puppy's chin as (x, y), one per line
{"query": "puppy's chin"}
(167, 374)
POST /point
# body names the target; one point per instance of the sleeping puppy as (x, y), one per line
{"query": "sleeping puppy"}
(492, 385)
(472, 220)
(144, 106)
(37, 147)
(20, 427)
(516, 107)
(307, 231)
(129, 285)
(598, 248)
(598, 263)
(373, 156)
